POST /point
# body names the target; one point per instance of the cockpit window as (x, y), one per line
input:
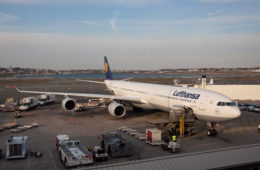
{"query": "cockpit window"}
(226, 104)
(221, 104)
(230, 103)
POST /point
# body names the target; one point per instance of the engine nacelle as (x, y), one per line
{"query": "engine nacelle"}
(116, 109)
(68, 103)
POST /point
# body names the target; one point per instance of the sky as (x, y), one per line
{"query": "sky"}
(134, 34)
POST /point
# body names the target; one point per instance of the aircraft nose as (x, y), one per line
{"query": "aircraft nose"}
(236, 112)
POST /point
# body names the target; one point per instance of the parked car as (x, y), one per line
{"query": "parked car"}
(242, 107)
(250, 108)
(257, 109)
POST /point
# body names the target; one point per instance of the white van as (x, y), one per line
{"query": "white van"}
(28, 103)
(45, 99)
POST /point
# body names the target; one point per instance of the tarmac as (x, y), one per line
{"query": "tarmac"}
(87, 125)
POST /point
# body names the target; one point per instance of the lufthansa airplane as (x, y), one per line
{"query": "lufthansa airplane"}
(205, 105)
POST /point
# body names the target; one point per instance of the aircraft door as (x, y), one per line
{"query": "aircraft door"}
(203, 103)
(172, 100)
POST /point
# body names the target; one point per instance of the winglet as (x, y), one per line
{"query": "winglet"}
(107, 70)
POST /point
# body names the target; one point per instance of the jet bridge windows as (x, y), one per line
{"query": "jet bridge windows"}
(226, 104)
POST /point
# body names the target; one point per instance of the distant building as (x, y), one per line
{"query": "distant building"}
(256, 71)
(10, 69)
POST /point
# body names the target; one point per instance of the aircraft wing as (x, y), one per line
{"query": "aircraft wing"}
(131, 99)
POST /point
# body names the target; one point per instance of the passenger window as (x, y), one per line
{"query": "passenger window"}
(222, 103)
(219, 104)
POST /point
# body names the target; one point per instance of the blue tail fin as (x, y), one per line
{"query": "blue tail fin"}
(107, 70)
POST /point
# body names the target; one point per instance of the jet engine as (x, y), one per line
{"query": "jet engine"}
(116, 109)
(68, 103)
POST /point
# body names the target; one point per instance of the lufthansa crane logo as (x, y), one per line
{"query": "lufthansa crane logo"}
(106, 67)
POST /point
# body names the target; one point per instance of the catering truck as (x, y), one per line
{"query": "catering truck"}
(46, 99)
(28, 103)
(72, 153)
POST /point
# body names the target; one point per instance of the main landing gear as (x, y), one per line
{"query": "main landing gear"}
(211, 130)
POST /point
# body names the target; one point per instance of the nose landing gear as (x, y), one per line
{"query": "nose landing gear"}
(211, 129)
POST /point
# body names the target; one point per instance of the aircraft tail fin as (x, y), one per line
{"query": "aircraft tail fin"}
(107, 70)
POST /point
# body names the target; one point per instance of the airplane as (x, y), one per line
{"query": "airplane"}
(204, 105)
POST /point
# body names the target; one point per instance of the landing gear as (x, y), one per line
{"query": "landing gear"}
(211, 130)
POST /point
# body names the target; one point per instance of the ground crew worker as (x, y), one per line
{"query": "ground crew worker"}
(174, 138)
(17, 114)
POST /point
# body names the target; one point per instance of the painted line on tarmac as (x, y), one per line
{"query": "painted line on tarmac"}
(253, 122)
(3, 167)
(240, 127)
(232, 130)
(29, 163)
(248, 127)
(52, 160)
(223, 129)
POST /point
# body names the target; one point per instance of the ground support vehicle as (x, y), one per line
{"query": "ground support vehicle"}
(171, 146)
(18, 129)
(97, 103)
(61, 139)
(28, 103)
(153, 136)
(123, 128)
(16, 147)
(17, 114)
(36, 153)
(10, 105)
(72, 153)
(99, 153)
(141, 136)
(132, 132)
(45, 99)
(173, 127)
(10, 125)
(115, 145)
(80, 107)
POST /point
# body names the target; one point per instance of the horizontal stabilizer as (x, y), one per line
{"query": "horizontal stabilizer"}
(91, 81)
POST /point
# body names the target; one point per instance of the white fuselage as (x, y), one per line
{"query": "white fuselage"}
(207, 105)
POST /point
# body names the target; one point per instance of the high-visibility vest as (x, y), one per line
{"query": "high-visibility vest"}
(174, 138)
